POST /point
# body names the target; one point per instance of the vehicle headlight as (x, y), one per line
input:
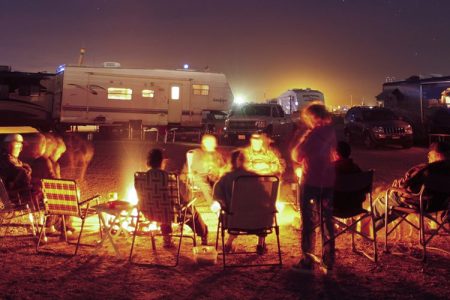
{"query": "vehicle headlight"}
(408, 129)
(378, 129)
(260, 124)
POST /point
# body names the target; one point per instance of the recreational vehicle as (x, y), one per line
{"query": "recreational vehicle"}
(101, 96)
(292, 101)
(423, 102)
(110, 95)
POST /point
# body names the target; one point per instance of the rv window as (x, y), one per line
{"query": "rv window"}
(119, 94)
(200, 89)
(148, 94)
(175, 92)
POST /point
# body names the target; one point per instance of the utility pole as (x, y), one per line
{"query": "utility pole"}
(81, 57)
(351, 101)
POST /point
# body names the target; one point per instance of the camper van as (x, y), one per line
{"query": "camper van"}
(292, 101)
(423, 102)
(114, 95)
(111, 95)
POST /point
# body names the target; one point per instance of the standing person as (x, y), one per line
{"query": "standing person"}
(314, 153)
(16, 175)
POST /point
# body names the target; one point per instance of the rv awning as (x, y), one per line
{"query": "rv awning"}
(383, 95)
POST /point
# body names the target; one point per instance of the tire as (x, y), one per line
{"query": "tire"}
(368, 141)
(348, 137)
(407, 145)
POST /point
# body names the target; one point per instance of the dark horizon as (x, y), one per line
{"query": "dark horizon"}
(346, 49)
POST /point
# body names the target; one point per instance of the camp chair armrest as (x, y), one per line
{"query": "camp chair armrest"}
(402, 192)
(88, 201)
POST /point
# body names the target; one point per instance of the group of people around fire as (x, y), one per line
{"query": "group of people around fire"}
(321, 157)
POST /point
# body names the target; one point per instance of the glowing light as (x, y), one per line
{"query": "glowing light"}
(215, 207)
(239, 100)
(299, 172)
(185, 66)
(132, 196)
(280, 206)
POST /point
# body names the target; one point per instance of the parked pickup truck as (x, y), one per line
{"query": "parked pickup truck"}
(244, 120)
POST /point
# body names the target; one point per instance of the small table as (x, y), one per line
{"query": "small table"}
(121, 212)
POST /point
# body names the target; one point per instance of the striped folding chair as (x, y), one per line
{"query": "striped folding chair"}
(159, 201)
(62, 198)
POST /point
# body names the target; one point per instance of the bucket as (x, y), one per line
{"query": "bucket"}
(205, 255)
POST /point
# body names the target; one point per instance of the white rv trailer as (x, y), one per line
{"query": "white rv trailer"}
(294, 100)
(111, 95)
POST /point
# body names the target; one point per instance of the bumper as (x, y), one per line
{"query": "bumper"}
(393, 139)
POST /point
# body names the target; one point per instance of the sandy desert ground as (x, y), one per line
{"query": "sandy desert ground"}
(97, 273)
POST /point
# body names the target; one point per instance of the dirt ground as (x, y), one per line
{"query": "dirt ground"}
(97, 273)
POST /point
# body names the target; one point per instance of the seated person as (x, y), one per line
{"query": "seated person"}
(46, 165)
(223, 192)
(260, 159)
(155, 161)
(205, 166)
(345, 202)
(16, 175)
(438, 163)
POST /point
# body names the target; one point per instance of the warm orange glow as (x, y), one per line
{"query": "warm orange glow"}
(209, 143)
(131, 196)
(299, 173)
(261, 158)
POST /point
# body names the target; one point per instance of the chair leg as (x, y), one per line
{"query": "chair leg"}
(386, 211)
(134, 238)
(375, 246)
(277, 232)
(193, 226)
(422, 236)
(31, 218)
(222, 230)
(41, 234)
(64, 228)
(217, 235)
(100, 229)
(79, 237)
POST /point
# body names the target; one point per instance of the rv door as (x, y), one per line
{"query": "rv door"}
(177, 96)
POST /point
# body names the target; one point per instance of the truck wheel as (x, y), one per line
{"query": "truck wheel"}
(368, 141)
(407, 145)
(348, 137)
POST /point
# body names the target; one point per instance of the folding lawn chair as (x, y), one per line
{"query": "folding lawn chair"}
(252, 212)
(347, 206)
(159, 201)
(10, 211)
(62, 198)
(433, 198)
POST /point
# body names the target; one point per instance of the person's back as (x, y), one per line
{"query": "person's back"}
(345, 202)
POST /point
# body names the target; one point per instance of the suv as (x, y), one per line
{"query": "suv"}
(376, 126)
(269, 118)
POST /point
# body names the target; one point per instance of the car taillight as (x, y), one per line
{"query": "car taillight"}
(408, 129)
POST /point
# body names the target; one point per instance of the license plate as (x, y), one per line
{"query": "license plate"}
(241, 137)
(395, 137)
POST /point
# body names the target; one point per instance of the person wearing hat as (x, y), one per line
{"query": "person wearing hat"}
(16, 175)
(260, 159)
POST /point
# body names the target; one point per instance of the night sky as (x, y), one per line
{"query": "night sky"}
(343, 48)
